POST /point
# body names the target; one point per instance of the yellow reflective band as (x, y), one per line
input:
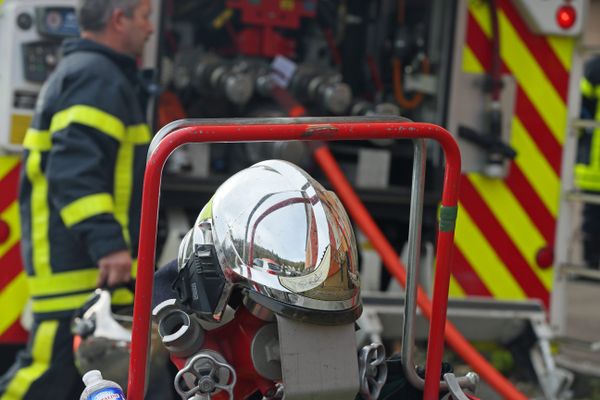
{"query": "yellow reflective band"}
(57, 304)
(470, 62)
(515, 221)
(11, 217)
(13, 298)
(587, 178)
(122, 297)
(527, 72)
(595, 147)
(40, 214)
(63, 282)
(535, 167)
(89, 116)
(134, 268)
(41, 354)
(483, 259)
(587, 89)
(563, 48)
(86, 207)
(37, 140)
(138, 134)
(123, 187)
(7, 164)
(455, 290)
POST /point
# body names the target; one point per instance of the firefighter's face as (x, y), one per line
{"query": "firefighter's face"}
(138, 28)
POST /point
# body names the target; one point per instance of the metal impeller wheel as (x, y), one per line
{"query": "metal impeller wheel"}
(210, 375)
(372, 370)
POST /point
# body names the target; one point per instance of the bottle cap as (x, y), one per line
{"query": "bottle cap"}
(92, 377)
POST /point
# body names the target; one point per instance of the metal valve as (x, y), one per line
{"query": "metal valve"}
(455, 391)
(203, 376)
(372, 370)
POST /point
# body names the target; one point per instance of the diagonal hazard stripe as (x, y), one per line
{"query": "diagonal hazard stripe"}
(535, 167)
(11, 266)
(9, 184)
(477, 59)
(12, 301)
(538, 130)
(541, 50)
(532, 132)
(11, 216)
(550, 65)
(7, 164)
(454, 290)
(525, 68)
(14, 334)
(514, 221)
(466, 277)
(470, 62)
(563, 48)
(478, 253)
(478, 43)
(544, 140)
(531, 202)
(507, 251)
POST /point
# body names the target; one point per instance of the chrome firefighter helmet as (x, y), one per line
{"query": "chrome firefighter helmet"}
(282, 238)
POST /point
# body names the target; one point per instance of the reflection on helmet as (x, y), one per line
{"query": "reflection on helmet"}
(278, 234)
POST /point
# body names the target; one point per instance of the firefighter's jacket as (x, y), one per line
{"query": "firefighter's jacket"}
(80, 191)
(587, 170)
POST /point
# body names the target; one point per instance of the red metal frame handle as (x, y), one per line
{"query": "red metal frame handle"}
(284, 129)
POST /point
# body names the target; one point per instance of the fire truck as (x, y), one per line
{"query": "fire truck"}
(501, 75)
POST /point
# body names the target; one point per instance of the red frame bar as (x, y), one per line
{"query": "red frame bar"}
(283, 129)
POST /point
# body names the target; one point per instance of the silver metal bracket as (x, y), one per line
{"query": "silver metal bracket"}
(455, 392)
(372, 370)
(555, 382)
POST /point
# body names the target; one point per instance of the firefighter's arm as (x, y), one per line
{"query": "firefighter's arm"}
(86, 133)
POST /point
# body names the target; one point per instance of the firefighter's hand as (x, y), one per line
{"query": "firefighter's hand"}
(115, 269)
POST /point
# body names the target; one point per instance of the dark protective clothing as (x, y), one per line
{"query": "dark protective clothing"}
(45, 369)
(80, 198)
(80, 192)
(587, 170)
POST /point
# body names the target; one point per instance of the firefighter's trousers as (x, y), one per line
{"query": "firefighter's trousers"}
(45, 369)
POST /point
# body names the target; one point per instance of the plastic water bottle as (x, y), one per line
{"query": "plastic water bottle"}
(97, 388)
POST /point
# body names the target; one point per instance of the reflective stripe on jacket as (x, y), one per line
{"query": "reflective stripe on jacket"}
(587, 170)
(82, 174)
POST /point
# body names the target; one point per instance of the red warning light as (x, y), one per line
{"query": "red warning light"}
(566, 16)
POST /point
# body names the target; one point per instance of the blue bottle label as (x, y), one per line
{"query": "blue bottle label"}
(107, 394)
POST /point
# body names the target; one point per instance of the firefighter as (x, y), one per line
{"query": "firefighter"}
(587, 170)
(80, 189)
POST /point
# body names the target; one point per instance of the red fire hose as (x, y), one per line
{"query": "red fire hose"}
(392, 261)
